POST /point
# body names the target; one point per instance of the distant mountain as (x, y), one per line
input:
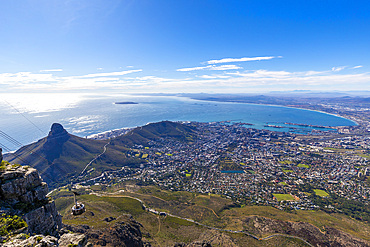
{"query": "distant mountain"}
(61, 156)
(285, 98)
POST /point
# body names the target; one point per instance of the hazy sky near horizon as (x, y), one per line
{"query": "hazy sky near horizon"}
(185, 46)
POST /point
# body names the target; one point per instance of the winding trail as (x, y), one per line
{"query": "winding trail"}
(209, 227)
(104, 150)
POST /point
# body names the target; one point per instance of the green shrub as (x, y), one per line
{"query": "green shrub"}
(9, 223)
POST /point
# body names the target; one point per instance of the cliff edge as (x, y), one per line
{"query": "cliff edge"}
(23, 193)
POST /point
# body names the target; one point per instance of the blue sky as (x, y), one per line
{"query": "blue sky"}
(184, 46)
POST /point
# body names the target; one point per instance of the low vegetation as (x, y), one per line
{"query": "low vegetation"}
(209, 209)
(284, 197)
(10, 223)
(321, 193)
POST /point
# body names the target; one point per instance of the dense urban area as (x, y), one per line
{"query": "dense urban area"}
(321, 170)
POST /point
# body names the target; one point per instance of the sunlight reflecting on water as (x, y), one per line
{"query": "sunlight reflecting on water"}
(40, 102)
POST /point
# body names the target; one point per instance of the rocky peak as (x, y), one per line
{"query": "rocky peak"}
(54, 141)
(57, 130)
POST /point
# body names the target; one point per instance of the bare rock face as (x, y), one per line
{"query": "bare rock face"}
(1, 155)
(22, 192)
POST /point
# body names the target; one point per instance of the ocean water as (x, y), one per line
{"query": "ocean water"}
(25, 118)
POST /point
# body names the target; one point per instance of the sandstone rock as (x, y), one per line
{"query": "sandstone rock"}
(18, 184)
(45, 220)
(22, 192)
(72, 239)
(36, 241)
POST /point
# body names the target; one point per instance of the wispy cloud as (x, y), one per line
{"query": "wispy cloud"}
(193, 68)
(211, 67)
(224, 78)
(214, 76)
(110, 73)
(336, 69)
(357, 67)
(25, 77)
(225, 67)
(243, 59)
(51, 70)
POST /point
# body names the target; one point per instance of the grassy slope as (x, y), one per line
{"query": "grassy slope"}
(142, 135)
(212, 210)
(202, 208)
(75, 153)
(158, 230)
(59, 161)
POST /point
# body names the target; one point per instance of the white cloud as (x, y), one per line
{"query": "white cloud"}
(225, 67)
(211, 67)
(110, 73)
(51, 70)
(243, 59)
(25, 77)
(225, 78)
(357, 67)
(214, 76)
(336, 69)
(192, 69)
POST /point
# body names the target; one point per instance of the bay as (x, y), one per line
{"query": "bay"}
(28, 117)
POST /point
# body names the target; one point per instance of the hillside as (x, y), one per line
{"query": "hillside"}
(60, 156)
(269, 226)
(155, 131)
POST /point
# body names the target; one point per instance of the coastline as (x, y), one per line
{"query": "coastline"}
(283, 106)
(110, 133)
(85, 120)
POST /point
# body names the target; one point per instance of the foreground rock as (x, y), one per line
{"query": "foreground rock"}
(23, 193)
(125, 232)
(37, 240)
(73, 239)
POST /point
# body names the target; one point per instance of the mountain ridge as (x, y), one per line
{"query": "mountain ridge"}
(61, 156)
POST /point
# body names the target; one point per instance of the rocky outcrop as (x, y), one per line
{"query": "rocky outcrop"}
(54, 142)
(331, 237)
(210, 238)
(44, 220)
(22, 192)
(73, 239)
(125, 232)
(38, 241)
